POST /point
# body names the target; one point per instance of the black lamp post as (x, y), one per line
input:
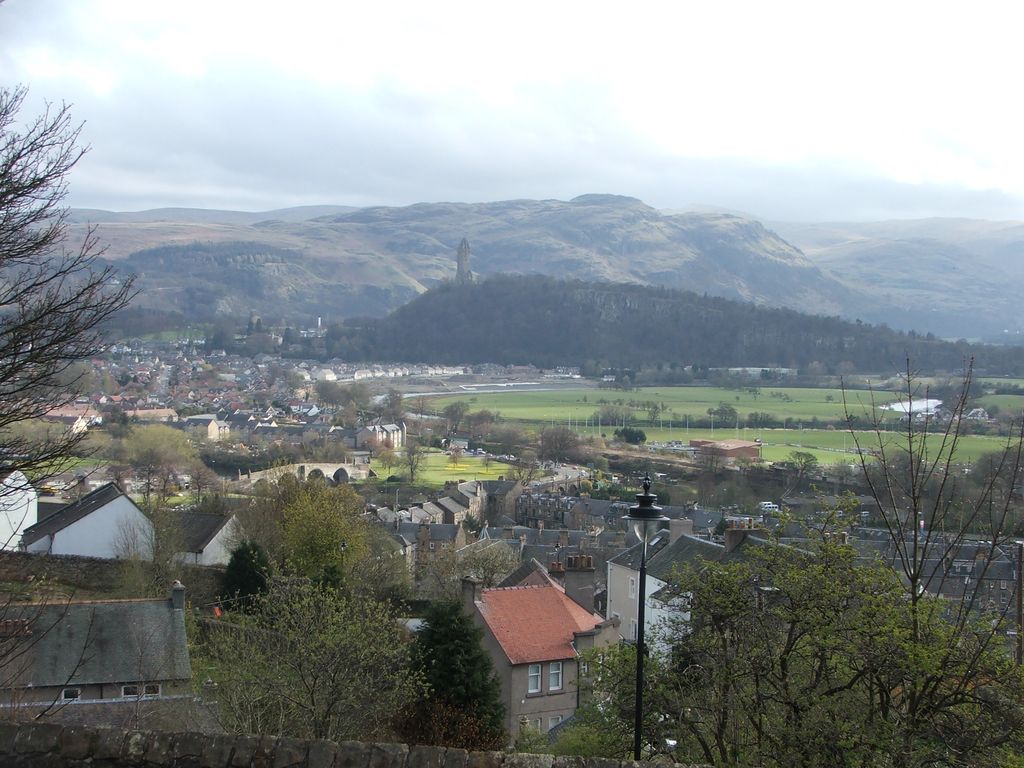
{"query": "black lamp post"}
(646, 520)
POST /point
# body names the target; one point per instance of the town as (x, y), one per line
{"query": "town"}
(211, 487)
(374, 395)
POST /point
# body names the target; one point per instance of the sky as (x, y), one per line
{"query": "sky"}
(787, 111)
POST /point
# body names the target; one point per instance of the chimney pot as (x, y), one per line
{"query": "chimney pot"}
(178, 595)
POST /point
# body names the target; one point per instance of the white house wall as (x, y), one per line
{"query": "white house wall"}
(624, 607)
(19, 508)
(102, 533)
(218, 551)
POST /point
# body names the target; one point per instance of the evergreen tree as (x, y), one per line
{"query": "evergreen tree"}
(247, 574)
(463, 707)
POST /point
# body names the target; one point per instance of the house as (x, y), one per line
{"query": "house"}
(535, 634)
(207, 427)
(668, 551)
(208, 539)
(104, 523)
(19, 507)
(424, 542)
(376, 435)
(117, 652)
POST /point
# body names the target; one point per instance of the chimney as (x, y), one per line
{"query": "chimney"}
(178, 596)
(734, 537)
(506, 533)
(470, 594)
(563, 538)
(579, 580)
(679, 527)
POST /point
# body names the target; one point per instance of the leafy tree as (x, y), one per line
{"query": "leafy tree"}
(460, 677)
(379, 570)
(247, 574)
(313, 663)
(331, 393)
(488, 563)
(953, 695)
(394, 407)
(414, 458)
(524, 469)
(386, 458)
(807, 657)
(632, 435)
(156, 451)
(804, 461)
(585, 739)
(481, 421)
(315, 522)
(558, 444)
(455, 413)
(54, 297)
(724, 413)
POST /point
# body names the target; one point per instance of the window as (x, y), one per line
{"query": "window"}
(632, 629)
(535, 724)
(555, 676)
(533, 679)
(70, 694)
(584, 668)
(632, 587)
(136, 690)
(553, 721)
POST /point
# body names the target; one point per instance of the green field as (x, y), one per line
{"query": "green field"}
(1007, 404)
(436, 469)
(576, 408)
(579, 405)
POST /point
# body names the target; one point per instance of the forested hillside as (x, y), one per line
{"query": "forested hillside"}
(540, 320)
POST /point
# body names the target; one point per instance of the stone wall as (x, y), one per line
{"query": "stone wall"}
(54, 746)
(93, 574)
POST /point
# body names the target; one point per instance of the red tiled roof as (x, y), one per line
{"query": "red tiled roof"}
(534, 623)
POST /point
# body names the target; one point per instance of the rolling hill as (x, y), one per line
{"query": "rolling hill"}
(954, 278)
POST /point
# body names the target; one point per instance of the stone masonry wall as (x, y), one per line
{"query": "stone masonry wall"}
(55, 746)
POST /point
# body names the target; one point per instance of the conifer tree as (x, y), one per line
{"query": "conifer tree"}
(463, 707)
(247, 574)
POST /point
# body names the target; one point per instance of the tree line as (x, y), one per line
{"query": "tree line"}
(546, 322)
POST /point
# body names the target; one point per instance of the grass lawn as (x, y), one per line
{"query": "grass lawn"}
(1007, 404)
(436, 469)
(575, 409)
(571, 406)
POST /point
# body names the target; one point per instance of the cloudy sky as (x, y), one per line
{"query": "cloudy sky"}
(785, 110)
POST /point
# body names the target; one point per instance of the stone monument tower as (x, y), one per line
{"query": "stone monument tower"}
(462, 271)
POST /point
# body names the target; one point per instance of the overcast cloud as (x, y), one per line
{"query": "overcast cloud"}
(799, 111)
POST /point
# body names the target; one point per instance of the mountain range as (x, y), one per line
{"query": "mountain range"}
(954, 278)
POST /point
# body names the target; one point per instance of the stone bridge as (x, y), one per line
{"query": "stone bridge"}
(334, 474)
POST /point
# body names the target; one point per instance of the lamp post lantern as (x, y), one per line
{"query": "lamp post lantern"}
(646, 520)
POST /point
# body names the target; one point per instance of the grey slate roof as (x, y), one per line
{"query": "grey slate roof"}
(199, 528)
(451, 505)
(437, 531)
(118, 641)
(72, 513)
